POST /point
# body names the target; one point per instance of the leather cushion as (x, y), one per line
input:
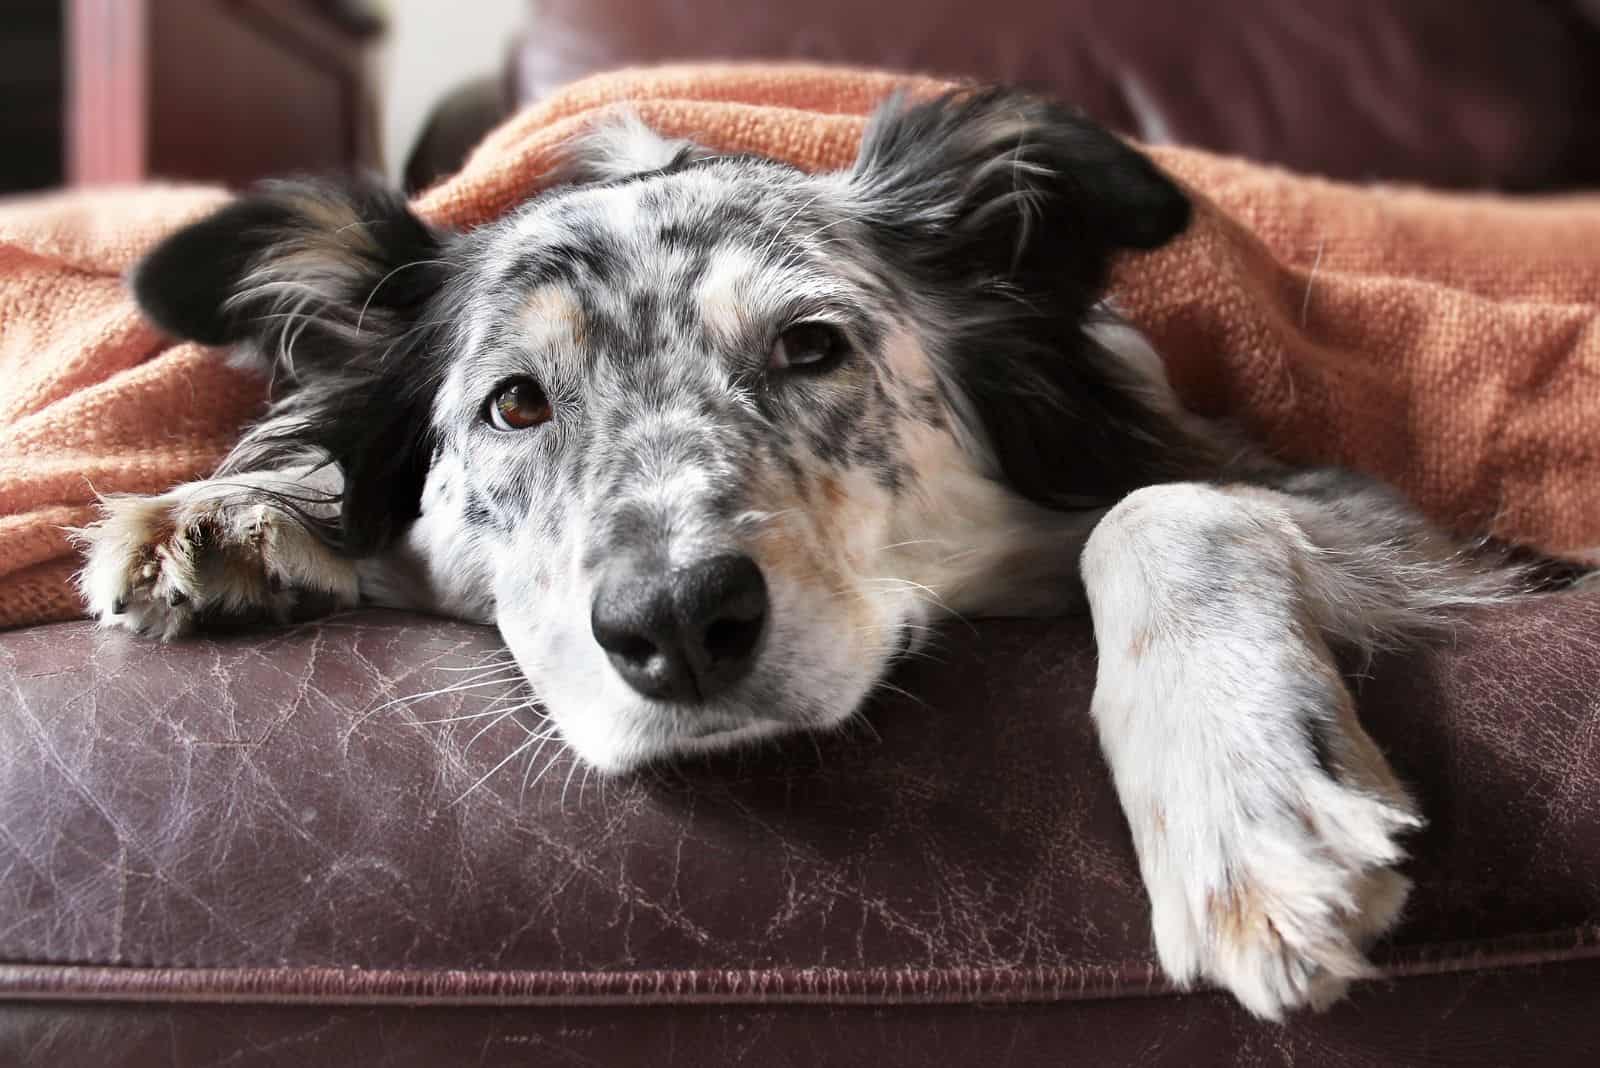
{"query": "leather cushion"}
(261, 805)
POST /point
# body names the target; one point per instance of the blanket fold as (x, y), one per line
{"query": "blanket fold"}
(1449, 344)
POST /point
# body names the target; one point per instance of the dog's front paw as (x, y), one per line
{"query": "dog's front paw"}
(157, 564)
(1276, 896)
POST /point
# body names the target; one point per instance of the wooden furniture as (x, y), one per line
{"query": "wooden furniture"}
(217, 90)
(30, 85)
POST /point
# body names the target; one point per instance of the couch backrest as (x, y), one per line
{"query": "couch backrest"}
(1503, 94)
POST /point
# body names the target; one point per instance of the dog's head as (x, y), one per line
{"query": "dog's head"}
(714, 438)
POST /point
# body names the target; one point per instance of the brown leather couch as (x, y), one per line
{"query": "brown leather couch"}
(246, 850)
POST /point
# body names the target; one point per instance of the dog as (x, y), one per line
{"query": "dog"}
(714, 441)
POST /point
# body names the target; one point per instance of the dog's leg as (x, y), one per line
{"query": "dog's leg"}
(240, 546)
(1264, 818)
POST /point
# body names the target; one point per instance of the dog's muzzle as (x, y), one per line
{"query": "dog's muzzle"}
(684, 634)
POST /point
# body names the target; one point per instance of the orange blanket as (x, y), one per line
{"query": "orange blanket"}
(1450, 344)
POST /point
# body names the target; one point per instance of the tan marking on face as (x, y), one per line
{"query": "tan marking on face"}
(724, 294)
(816, 542)
(903, 355)
(1140, 643)
(1158, 819)
(833, 496)
(856, 518)
(783, 543)
(932, 454)
(781, 546)
(551, 315)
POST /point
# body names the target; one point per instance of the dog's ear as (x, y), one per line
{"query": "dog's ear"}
(326, 285)
(1002, 211)
(622, 146)
(1009, 183)
(344, 253)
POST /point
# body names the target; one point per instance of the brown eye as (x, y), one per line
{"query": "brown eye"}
(809, 347)
(517, 405)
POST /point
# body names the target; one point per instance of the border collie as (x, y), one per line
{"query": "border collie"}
(712, 441)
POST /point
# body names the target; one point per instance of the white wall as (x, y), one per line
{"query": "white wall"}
(433, 46)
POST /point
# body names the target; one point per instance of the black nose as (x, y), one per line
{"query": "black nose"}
(683, 634)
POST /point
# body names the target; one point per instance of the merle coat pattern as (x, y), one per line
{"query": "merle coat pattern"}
(712, 441)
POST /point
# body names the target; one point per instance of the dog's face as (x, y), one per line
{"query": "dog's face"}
(700, 439)
(716, 437)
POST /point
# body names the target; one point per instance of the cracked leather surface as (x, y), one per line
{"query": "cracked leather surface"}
(262, 806)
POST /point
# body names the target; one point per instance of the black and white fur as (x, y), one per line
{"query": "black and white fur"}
(899, 392)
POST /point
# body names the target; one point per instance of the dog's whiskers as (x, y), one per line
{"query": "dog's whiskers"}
(903, 692)
(493, 675)
(861, 722)
(533, 758)
(518, 751)
(466, 716)
(910, 541)
(465, 685)
(559, 753)
(570, 772)
(929, 593)
(512, 711)
(499, 659)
